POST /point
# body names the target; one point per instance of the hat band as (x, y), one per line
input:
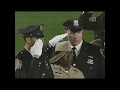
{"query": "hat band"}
(57, 57)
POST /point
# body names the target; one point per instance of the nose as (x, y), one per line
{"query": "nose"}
(75, 35)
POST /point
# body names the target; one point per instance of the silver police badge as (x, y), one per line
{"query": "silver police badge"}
(75, 23)
(90, 61)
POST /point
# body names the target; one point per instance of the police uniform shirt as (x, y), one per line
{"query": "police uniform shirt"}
(90, 61)
(78, 47)
(18, 61)
(59, 72)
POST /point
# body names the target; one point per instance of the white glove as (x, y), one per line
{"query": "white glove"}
(36, 49)
(92, 19)
(57, 38)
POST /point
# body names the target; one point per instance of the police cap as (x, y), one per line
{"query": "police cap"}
(61, 47)
(73, 25)
(32, 31)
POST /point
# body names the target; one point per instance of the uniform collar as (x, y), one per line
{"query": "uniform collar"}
(27, 49)
(78, 47)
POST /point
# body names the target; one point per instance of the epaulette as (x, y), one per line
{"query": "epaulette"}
(20, 54)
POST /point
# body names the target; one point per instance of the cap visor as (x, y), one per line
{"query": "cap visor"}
(57, 57)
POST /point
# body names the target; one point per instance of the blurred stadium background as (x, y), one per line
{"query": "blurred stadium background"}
(51, 19)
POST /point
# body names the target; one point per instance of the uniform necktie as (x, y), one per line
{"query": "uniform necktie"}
(74, 55)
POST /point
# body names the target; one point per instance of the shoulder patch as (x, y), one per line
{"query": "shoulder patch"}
(18, 64)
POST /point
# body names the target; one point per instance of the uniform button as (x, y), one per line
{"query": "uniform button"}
(74, 64)
(39, 65)
(46, 64)
(39, 62)
(47, 48)
(45, 61)
(43, 74)
(66, 71)
(95, 35)
(21, 52)
(90, 67)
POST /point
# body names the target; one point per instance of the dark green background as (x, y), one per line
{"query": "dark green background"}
(51, 19)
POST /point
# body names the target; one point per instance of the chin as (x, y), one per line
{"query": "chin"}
(75, 43)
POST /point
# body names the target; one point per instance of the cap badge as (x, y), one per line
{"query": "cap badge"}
(75, 23)
(41, 27)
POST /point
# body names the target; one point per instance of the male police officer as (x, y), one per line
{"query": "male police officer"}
(33, 61)
(97, 24)
(87, 56)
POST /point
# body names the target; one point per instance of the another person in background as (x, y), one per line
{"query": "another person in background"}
(61, 62)
(97, 24)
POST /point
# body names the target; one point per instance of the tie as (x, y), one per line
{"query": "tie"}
(74, 55)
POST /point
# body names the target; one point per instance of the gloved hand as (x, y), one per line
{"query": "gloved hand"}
(97, 42)
(36, 49)
(90, 12)
(92, 19)
(57, 38)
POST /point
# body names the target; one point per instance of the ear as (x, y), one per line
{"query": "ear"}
(28, 40)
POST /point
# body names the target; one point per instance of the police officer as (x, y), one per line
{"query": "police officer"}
(87, 56)
(97, 24)
(33, 60)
